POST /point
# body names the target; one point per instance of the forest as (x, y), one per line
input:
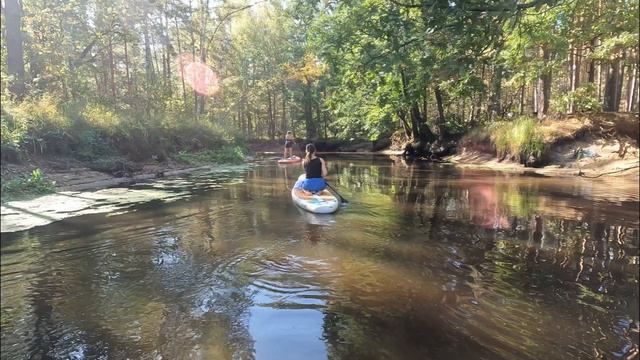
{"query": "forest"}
(98, 77)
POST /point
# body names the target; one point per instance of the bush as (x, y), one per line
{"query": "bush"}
(99, 117)
(521, 138)
(195, 136)
(229, 155)
(92, 132)
(585, 98)
(34, 185)
(92, 145)
(455, 126)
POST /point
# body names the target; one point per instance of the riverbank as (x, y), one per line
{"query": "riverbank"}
(593, 146)
(68, 174)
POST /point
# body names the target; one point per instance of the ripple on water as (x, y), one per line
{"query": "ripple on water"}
(241, 273)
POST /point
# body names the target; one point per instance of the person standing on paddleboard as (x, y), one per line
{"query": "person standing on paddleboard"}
(315, 169)
(288, 144)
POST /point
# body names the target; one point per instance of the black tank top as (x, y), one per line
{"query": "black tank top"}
(313, 169)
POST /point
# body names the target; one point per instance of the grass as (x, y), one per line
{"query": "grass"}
(33, 185)
(521, 138)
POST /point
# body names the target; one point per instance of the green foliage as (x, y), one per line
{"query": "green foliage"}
(347, 69)
(584, 98)
(226, 155)
(100, 135)
(98, 116)
(36, 184)
(520, 138)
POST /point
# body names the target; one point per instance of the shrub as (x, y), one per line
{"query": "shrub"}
(93, 131)
(195, 135)
(92, 145)
(98, 116)
(229, 155)
(585, 98)
(40, 115)
(34, 185)
(11, 135)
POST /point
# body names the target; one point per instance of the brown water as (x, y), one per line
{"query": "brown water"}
(426, 262)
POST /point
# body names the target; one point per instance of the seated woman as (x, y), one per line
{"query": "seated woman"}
(315, 169)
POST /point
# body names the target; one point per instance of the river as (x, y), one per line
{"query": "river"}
(426, 261)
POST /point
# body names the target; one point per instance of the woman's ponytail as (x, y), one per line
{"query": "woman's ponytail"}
(310, 150)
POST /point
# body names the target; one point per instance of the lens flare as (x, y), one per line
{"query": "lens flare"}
(198, 75)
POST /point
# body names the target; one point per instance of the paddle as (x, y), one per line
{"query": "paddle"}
(342, 199)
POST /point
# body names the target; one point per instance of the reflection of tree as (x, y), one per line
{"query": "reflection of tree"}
(313, 233)
(187, 272)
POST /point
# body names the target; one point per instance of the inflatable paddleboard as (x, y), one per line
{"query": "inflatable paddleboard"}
(292, 160)
(321, 203)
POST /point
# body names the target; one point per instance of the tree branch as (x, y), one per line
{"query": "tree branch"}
(228, 15)
(506, 6)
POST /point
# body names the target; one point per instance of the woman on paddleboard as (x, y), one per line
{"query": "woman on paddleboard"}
(288, 144)
(315, 169)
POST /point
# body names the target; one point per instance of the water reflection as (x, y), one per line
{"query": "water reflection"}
(427, 262)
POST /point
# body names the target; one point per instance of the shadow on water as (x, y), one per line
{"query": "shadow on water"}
(426, 262)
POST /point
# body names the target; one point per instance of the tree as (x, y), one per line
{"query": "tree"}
(15, 51)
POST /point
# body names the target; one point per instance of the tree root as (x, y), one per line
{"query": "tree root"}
(581, 174)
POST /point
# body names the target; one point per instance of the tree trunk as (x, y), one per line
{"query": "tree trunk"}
(193, 57)
(95, 78)
(478, 105)
(112, 69)
(180, 60)
(15, 49)
(284, 109)
(599, 70)
(631, 89)
(106, 69)
(403, 121)
(325, 117)
(319, 116)
(592, 64)
(308, 112)
(155, 62)
(522, 91)
(272, 120)
(203, 49)
(425, 104)
(148, 64)
(169, 82)
(611, 86)
(575, 76)
(544, 85)
(620, 81)
(496, 92)
(415, 122)
(167, 49)
(441, 119)
(126, 65)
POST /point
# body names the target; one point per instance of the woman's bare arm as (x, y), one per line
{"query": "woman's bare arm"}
(324, 168)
